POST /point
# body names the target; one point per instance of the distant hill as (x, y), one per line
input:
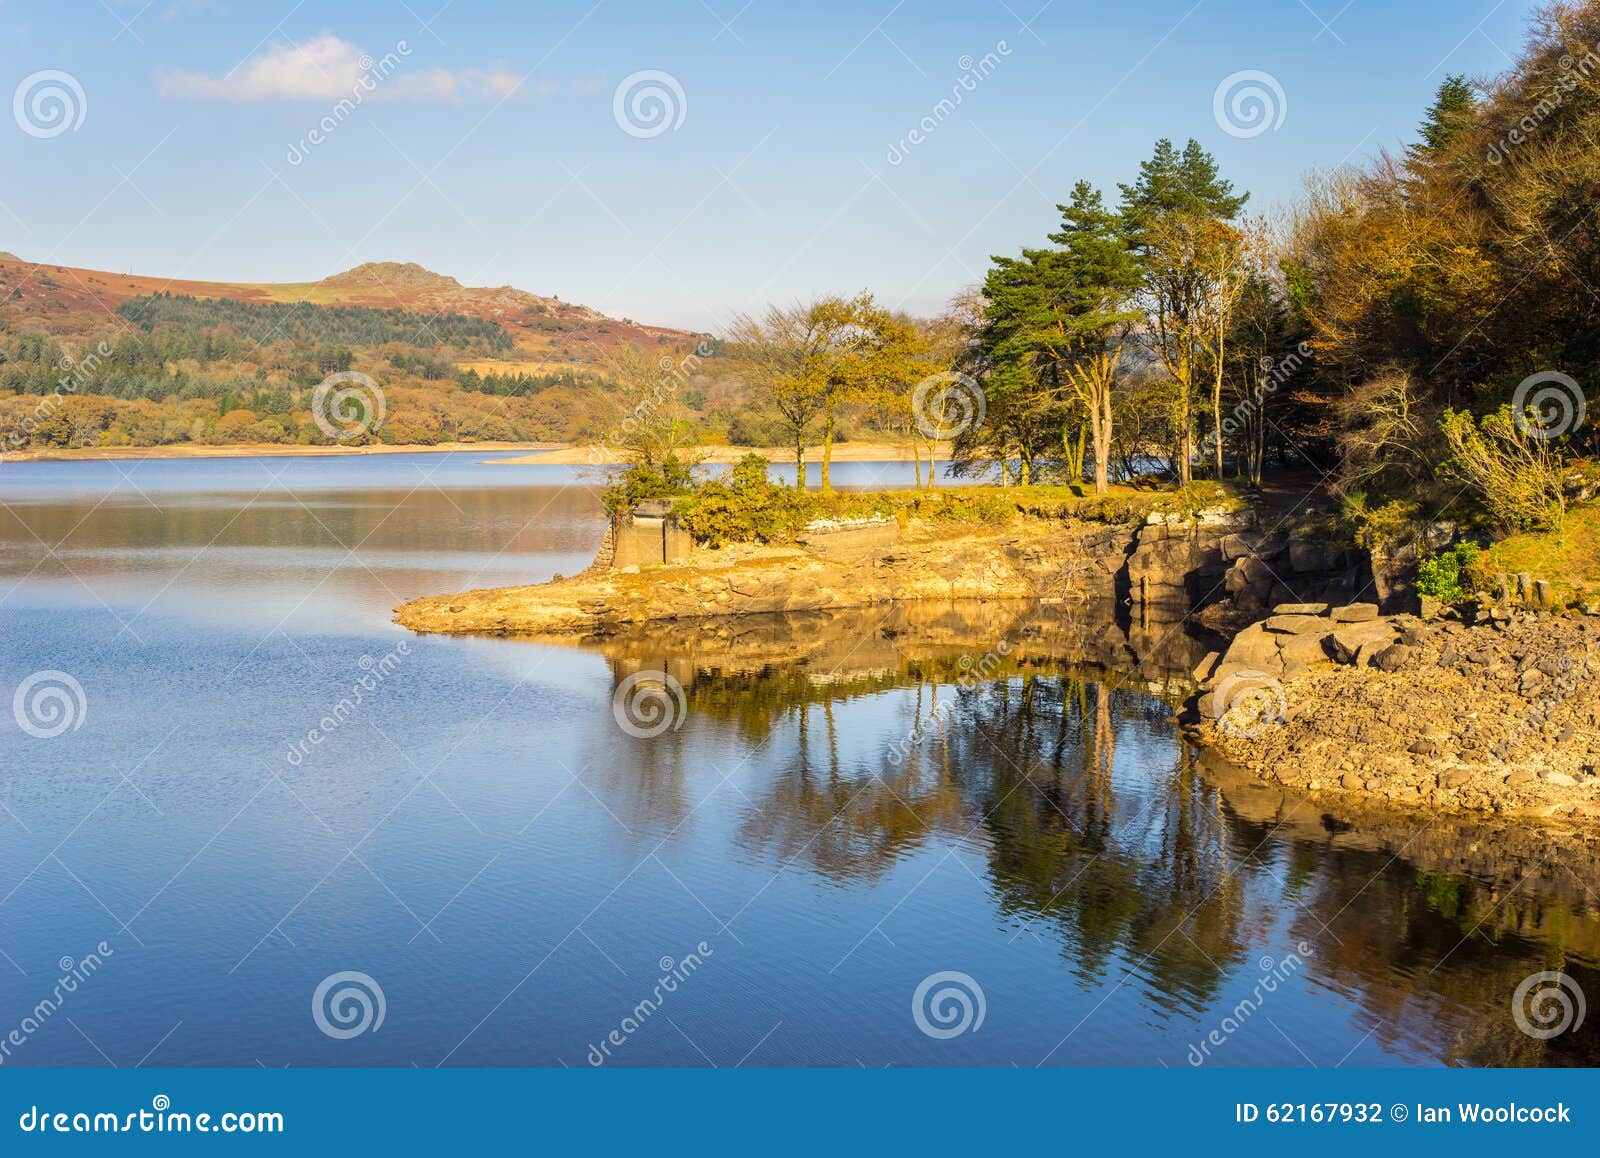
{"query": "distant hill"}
(96, 359)
(68, 302)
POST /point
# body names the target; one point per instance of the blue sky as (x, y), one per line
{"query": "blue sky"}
(491, 149)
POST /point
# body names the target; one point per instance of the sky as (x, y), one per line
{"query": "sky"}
(673, 163)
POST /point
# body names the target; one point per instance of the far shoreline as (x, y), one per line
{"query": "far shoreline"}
(572, 454)
(529, 453)
(261, 450)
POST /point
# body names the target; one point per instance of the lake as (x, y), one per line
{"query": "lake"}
(274, 829)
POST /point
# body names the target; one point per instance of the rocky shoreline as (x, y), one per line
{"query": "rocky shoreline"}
(1498, 716)
(1150, 564)
(1494, 713)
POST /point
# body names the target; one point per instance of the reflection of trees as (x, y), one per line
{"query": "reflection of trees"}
(1124, 861)
(1432, 925)
(1103, 835)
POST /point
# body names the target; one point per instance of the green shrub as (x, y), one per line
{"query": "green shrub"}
(745, 507)
(1441, 575)
(638, 483)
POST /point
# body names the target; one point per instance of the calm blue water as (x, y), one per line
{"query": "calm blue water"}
(842, 813)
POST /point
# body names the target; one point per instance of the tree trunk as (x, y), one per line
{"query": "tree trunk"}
(1185, 476)
(827, 452)
(800, 460)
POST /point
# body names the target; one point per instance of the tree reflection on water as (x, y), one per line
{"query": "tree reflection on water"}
(1101, 829)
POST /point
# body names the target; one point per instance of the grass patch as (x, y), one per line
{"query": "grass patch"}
(1569, 558)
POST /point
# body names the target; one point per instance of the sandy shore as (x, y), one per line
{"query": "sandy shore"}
(257, 450)
(842, 452)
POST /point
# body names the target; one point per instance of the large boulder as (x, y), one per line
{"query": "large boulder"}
(1345, 642)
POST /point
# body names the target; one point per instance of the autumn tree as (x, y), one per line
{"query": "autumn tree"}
(1176, 214)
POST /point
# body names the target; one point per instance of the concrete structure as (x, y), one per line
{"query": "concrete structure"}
(647, 536)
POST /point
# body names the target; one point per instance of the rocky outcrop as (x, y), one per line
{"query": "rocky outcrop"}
(1159, 567)
(1503, 716)
(1262, 570)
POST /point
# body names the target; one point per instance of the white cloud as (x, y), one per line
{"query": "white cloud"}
(328, 68)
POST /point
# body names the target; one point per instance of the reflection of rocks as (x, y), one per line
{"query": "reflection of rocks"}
(1432, 926)
(887, 646)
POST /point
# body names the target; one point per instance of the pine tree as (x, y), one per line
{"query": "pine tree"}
(1453, 104)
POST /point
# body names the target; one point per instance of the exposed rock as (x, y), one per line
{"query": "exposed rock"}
(1393, 658)
(1508, 723)
(1297, 624)
(1355, 613)
(1300, 609)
